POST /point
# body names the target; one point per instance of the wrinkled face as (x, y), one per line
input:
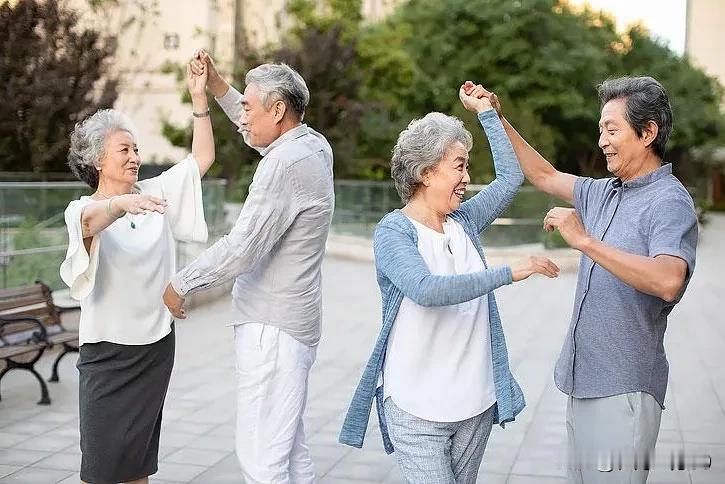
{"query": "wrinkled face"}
(259, 124)
(618, 140)
(120, 162)
(448, 179)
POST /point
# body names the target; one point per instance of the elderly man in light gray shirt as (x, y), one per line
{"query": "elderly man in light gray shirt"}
(275, 251)
(637, 232)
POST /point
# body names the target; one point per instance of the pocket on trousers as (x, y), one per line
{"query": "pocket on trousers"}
(255, 346)
(634, 403)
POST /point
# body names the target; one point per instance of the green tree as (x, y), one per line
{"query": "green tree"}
(542, 58)
(52, 74)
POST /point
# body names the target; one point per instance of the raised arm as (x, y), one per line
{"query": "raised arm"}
(228, 98)
(490, 202)
(536, 168)
(202, 143)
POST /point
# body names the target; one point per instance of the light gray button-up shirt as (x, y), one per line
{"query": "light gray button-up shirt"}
(276, 247)
(615, 343)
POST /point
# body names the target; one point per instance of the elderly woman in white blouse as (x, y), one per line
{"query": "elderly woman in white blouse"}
(121, 255)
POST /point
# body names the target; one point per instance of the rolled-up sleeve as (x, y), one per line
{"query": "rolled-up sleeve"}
(268, 212)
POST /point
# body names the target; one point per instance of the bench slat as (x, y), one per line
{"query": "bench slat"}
(16, 350)
(42, 314)
(25, 300)
(17, 292)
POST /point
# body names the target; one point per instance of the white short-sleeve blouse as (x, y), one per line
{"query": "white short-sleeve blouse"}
(120, 283)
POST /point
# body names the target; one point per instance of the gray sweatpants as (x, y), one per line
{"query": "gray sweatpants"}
(612, 439)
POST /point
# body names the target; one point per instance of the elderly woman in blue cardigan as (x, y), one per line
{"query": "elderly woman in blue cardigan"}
(439, 370)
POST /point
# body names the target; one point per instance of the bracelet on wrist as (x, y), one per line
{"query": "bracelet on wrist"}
(109, 210)
(201, 115)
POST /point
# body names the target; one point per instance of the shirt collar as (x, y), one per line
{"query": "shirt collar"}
(641, 181)
(293, 133)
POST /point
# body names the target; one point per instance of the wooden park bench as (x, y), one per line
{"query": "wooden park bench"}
(30, 323)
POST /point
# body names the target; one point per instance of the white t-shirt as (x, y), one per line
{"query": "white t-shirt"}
(438, 363)
(120, 284)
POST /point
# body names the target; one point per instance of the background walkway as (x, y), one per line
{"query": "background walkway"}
(40, 444)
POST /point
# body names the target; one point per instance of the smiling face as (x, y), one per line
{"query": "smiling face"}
(120, 162)
(445, 184)
(624, 150)
(259, 124)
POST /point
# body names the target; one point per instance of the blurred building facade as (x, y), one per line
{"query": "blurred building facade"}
(154, 35)
(704, 42)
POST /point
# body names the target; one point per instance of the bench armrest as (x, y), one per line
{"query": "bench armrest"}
(67, 309)
(42, 335)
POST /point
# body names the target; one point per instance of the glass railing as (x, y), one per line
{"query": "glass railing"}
(361, 204)
(33, 237)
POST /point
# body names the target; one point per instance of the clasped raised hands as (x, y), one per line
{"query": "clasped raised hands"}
(473, 99)
(197, 73)
(480, 92)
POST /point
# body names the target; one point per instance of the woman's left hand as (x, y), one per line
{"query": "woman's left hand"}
(197, 83)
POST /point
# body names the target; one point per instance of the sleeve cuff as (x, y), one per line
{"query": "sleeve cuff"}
(178, 284)
(488, 116)
(506, 274)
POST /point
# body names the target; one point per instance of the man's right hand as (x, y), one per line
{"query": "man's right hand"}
(216, 84)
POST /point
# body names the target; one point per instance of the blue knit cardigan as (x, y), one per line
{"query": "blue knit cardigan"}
(402, 272)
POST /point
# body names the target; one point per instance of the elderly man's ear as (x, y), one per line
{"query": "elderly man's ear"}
(280, 109)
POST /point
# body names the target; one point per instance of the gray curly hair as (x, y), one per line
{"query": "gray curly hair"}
(421, 146)
(88, 142)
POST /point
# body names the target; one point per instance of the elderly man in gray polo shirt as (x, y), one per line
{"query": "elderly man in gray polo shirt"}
(275, 252)
(637, 232)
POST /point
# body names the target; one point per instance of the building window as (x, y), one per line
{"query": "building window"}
(171, 41)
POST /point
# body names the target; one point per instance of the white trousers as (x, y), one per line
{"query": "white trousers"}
(272, 374)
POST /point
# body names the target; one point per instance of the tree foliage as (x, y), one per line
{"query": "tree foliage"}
(544, 60)
(52, 74)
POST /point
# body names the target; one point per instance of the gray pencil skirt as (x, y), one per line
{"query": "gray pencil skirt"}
(121, 396)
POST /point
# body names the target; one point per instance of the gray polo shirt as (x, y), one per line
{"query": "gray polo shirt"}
(615, 342)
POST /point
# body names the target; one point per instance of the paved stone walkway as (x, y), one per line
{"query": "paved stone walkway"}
(40, 444)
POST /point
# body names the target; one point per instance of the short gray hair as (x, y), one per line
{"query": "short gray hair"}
(279, 82)
(421, 146)
(88, 142)
(646, 101)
